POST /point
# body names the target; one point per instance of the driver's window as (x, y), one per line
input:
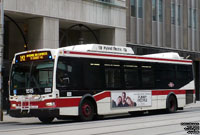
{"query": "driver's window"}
(61, 74)
(69, 74)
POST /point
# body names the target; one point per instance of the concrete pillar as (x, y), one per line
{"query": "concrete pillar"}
(43, 33)
(128, 20)
(148, 22)
(185, 25)
(167, 22)
(115, 36)
(120, 37)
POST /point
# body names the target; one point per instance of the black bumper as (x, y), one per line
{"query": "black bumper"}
(34, 113)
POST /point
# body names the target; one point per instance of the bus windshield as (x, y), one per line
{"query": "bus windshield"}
(34, 77)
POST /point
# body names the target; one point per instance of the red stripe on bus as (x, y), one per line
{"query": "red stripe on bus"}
(132, 57)
(74, 102)
(166, 92)
(102, 96)
(67, 102)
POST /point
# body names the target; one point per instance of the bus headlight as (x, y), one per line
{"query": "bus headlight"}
(13, 105)
(48, 104)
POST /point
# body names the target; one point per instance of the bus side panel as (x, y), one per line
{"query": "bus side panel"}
(158, 102)
(70, 111)
(103, 106)
(162, 101)
(181, 100)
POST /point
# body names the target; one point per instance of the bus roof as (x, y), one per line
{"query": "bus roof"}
(110, 51)
(101, 48)
(98, 48)
(167, 55)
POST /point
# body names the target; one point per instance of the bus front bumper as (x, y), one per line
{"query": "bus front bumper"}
(34, 113)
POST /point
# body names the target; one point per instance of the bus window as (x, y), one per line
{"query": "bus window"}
(165, 74)
(36, 75)
(183, 75)
(131, 76)
(147, 76)
(45, 74)
(20, 76)
(61, 74)
(69, 74)
(93, 75)
(112, 75)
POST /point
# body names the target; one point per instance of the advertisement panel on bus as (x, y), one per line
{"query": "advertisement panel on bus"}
(131, 99)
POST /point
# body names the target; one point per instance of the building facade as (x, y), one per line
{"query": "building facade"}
(155, 26)
(164, 23)
(55, 23)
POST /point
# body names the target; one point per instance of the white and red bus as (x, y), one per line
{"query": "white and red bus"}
(91, 80)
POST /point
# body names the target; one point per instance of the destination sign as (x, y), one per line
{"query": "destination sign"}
(33, 56)
(112, 49)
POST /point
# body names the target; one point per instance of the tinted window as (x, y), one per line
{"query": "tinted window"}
(131, 75)
(165, 76)
(93, 74)
(79, 74)
(183, 75)
(69, 74)
(112, 74)
(147, 76)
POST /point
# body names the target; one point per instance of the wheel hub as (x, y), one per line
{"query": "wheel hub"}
(86, 109)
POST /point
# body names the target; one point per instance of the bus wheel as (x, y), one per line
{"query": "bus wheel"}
(46, 120)
(171, 104)
(86, 111)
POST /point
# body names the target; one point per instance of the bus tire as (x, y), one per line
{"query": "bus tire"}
(171, 104)
(46, 120)
(87, 111)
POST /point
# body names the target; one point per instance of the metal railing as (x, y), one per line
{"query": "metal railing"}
(25, 104)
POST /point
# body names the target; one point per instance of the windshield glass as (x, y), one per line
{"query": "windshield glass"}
(34, 77)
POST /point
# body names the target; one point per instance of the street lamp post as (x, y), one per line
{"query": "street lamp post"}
(1, 57)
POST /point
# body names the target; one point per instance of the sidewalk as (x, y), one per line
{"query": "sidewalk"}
(8, 119)
(193, 105)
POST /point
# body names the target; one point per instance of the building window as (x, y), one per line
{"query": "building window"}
(133, 8)
(105, 1)
(140, 9)
(194, 18)
(179, 14)
(161, 10)
(190, 17)
(173, 13)
(154, 13)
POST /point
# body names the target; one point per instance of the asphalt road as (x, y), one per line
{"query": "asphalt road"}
(156, 124)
